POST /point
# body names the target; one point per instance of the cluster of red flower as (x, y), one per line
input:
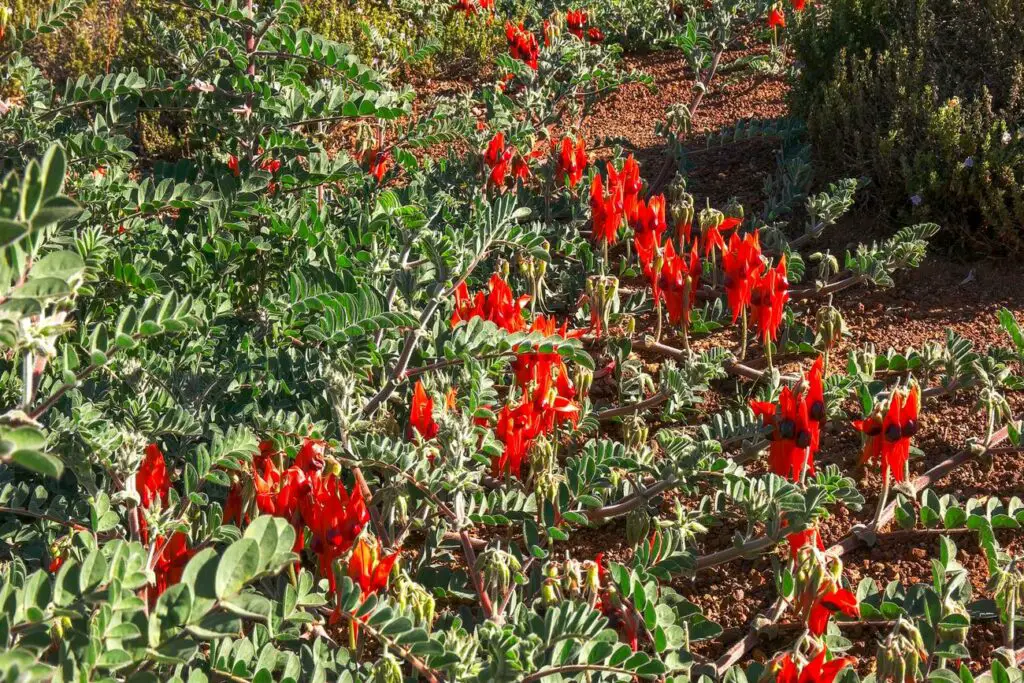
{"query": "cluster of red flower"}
(169, 555)
(303, 495)
(815, 671)
(547, 392)
(471, 6)
(888, 438)
(571, 161)
(796, 425)
(620, 202)
(522, 44)
(500, 158)
(776, 17)
(576, 20)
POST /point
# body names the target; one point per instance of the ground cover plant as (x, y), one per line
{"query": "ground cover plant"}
(354, 383)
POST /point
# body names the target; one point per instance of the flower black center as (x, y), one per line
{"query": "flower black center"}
(893, 433)
(910, 428)
(787, 429)
(818, 411)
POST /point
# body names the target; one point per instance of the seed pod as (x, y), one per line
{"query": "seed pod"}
(638, 525)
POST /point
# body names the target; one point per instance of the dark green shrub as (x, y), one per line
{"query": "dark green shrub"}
(923, 97)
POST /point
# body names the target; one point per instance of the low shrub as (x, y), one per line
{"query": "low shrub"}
(925, 99)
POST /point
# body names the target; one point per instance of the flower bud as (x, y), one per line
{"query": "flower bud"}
(386, 670)
(638, 525)
(710, 218)
(734, 209)
(583, 379)
(830, 325)
(572, 577)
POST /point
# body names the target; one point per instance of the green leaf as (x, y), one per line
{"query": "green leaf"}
(38, 462)
(239, 564)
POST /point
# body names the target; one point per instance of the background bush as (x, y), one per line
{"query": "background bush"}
(923, 97)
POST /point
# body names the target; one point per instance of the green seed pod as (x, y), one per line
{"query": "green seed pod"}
(638, 526)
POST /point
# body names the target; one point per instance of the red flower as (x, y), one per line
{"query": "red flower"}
(799, 5)
(816, 408)
(713, 236)
(827, 604)
(233, 164)
(377, 163)
(55, 563)
(497, 158)
(499, 305)
(171, 557)
(520, 169)
(572, 161)
(816, 671)
(631, 187)
(769, 297)
(271, 165)
(516, 429)
(421, 415)
(790, 452)
(648, 234)
(606, 211)
(310, 457)
(679, 278)
(522, 44)
(741, 264)
(368, 569)
(470, 6)
(800, 539)
(776, 19)
(233, 512)
(888, 438)
(335, 519)
(576, 20)
(594, 34)
(152, 482)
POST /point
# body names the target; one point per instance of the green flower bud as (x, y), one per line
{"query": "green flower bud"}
(638, 526)
(583, 378)
(710, 218)
(386, 670)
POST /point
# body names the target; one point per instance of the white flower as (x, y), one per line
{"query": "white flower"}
(1006, 137)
